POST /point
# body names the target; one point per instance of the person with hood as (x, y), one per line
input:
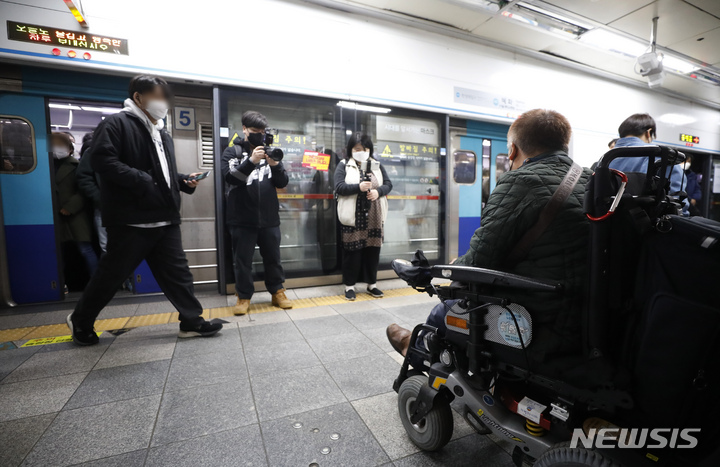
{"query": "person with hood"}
(140, 193)
(253, 216)
(74, 223)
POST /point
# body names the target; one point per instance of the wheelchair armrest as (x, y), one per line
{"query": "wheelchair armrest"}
(473, 275)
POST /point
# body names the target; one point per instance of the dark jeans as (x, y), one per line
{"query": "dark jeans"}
(360, 265)
(436, 319)
(127, 246)
(88, 253)
(244, 240)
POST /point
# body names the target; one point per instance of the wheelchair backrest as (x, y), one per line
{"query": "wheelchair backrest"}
(617, 231)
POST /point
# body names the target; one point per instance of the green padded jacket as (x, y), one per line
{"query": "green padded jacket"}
(559, 254)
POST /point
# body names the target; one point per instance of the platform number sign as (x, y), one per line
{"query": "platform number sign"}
(184, 118)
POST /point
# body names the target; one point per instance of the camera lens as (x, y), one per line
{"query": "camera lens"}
(275, 154)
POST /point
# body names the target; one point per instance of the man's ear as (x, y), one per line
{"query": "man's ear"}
(512, 151)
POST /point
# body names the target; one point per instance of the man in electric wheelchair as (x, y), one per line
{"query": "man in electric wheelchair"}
(570, 329)
(510, 240)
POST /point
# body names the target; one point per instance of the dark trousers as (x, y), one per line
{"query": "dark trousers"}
(437, 320)
(244, 240)
(127, 246)
(360, 265)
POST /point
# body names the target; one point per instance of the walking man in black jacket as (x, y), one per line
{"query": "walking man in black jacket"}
(140, 194)
(252, 211)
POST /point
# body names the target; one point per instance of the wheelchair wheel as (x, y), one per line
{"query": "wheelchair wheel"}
(561, 455)
(435, 430)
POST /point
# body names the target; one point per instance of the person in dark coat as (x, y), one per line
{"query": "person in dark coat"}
(253, 216)
(89, 185)
(140, 194)
(74, 223)
(538, 142)
(693, 189)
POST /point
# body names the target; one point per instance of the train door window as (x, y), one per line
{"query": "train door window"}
(17, 145)
(309, 134)
(407, 144)
(486, 154)
(465, 167)
(502, 165)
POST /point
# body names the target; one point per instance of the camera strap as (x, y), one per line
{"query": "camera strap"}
(547, 215)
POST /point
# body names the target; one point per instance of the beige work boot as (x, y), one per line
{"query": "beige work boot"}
(279, 299)
(241, 307)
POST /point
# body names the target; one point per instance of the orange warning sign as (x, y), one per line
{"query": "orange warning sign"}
(316, 160)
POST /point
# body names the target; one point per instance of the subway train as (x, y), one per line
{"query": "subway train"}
(442, 166)
(436, 100)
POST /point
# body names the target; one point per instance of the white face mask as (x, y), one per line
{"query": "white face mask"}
(686, 166)
(60, 153)
(361, 156)
(157, 109)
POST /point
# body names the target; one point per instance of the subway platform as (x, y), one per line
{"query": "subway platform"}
(311, 386)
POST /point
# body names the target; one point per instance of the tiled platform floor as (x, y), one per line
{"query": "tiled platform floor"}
(270, 390)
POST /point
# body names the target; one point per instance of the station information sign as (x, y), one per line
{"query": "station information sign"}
(689, 138)
(33, 33)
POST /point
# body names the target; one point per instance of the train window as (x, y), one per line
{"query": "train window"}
(465, 168)
(17, 145)
(502, 165)
(487, 151)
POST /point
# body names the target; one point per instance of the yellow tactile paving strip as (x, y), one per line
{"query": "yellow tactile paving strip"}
(53, 330)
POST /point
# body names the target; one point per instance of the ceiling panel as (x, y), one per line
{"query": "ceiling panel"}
(442, 12)
(678, 21)
(595, 58)
(602, 11)
(706, 50)
(711, 6)
(513, 33)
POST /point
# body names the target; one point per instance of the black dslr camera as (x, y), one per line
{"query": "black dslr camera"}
(275, 154)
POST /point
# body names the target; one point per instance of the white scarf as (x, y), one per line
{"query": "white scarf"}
(154, 129)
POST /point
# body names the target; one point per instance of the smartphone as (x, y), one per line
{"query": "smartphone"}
(199, 177)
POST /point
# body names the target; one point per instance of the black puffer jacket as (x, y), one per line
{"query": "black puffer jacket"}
(559, 254)
(252, 189)
(133, 189)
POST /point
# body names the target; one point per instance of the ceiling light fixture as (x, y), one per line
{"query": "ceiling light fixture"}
(368, 108)
(53, 105)
(609, 41)
(676, 119)
(678, 65)
(105, 110)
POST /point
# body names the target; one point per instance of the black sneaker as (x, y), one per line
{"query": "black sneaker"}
(375, 292)
(79, 336)
(205, 329)
(350, 295)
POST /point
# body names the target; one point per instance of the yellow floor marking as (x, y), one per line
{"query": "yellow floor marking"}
(51, 330)
(110, 324)
(333, 300)
(59, 331)
(49, 340)
(14, 334)
(174, 317)
(148, 320)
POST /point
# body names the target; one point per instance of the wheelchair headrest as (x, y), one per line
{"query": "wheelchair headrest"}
(652, 184)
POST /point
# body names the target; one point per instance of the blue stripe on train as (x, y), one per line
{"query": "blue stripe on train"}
(32, 263)
(467, 227)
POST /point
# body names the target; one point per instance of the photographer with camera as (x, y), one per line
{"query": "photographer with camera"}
(253, 171)
(361, 186)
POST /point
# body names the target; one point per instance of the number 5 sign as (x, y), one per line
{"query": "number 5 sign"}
(184, 118)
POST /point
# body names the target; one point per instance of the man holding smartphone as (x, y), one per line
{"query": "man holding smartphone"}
(140, 192)
(252, 211)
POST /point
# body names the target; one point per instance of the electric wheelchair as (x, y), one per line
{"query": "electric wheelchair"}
(650, 356)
